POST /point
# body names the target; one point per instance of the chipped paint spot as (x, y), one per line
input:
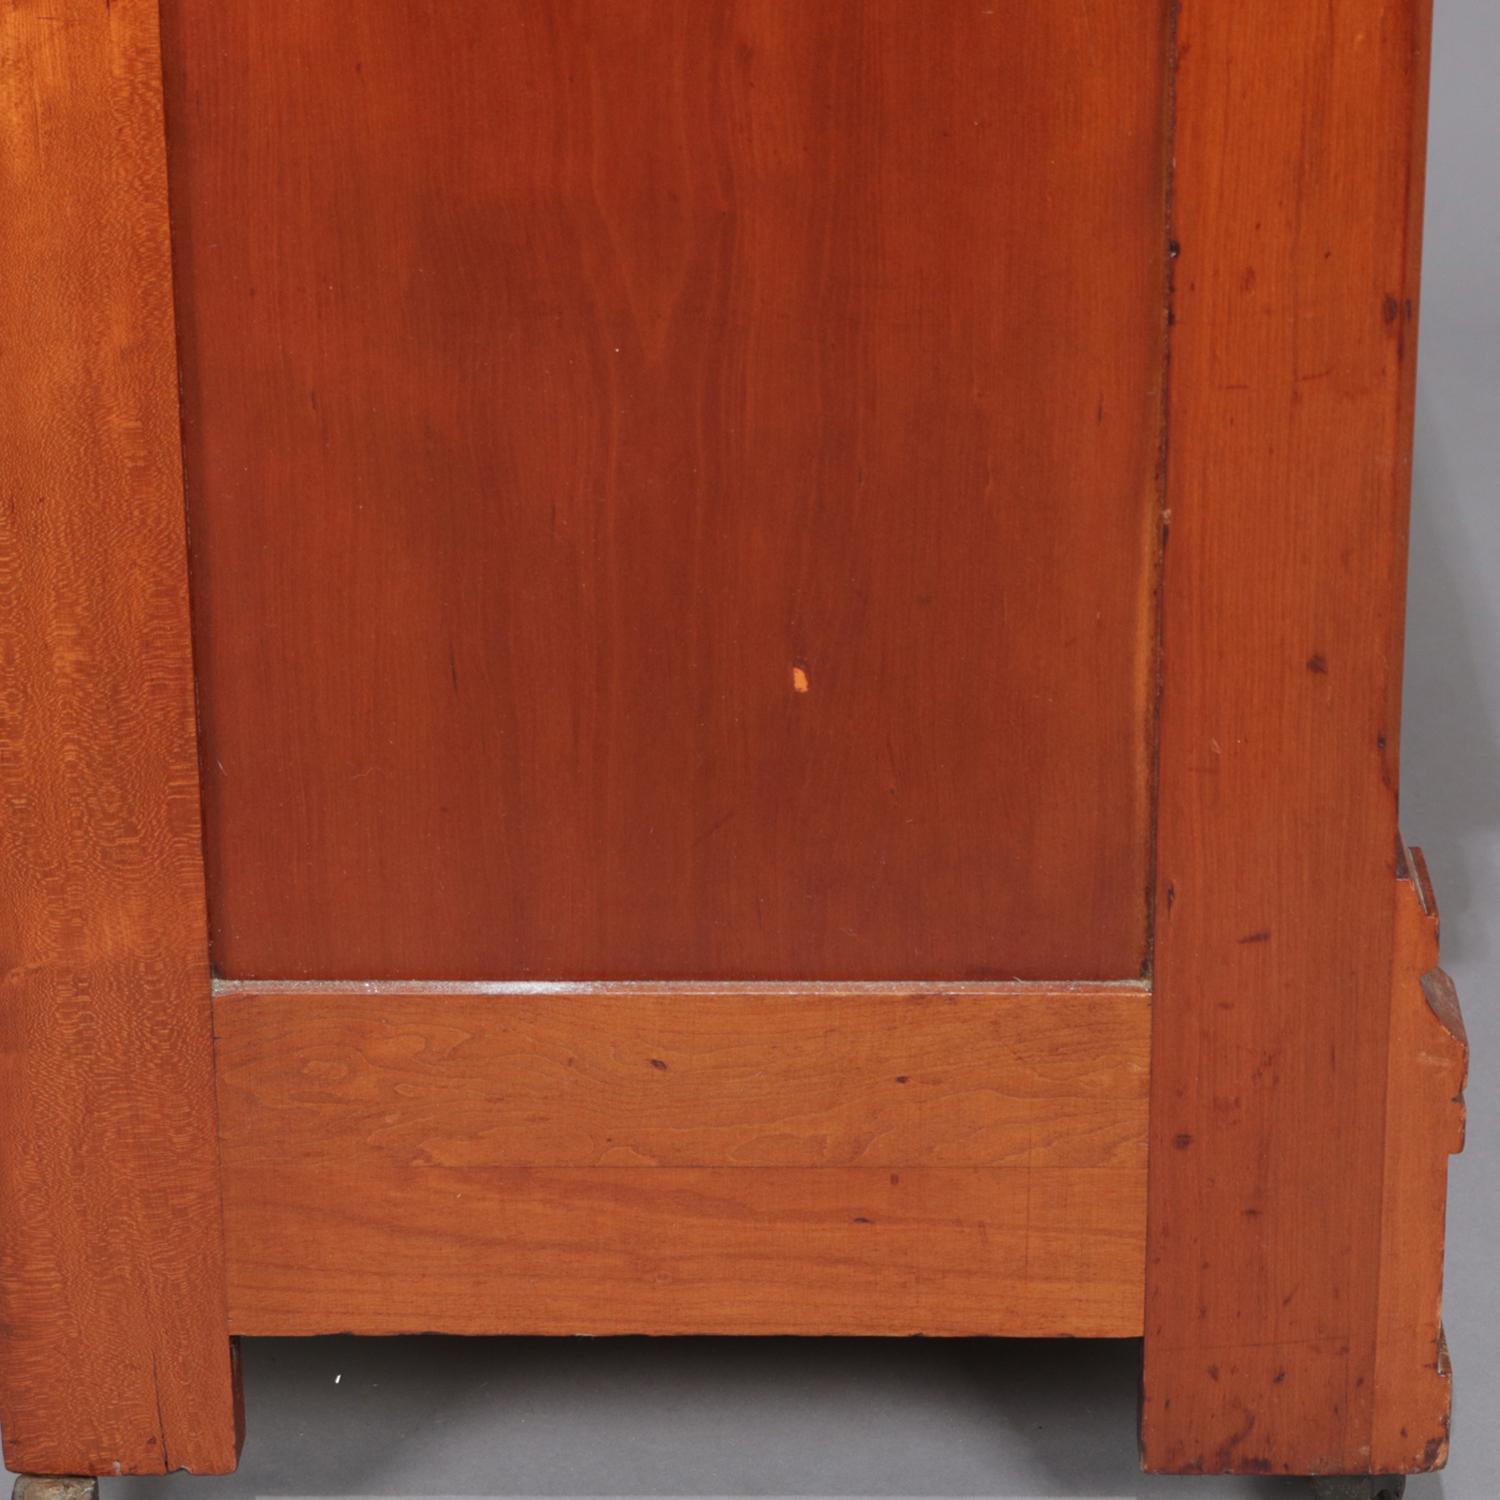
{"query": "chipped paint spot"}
(800, 684)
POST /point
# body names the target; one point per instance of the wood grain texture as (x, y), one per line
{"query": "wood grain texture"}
(1429, 1064)
(114, 1355)
(670, 1162)
(664, 1078)
(673, 486)
(1297, 195)
(687, 1250)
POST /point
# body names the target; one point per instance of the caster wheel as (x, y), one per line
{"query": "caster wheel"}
(1360, 1487)
(54, 1487)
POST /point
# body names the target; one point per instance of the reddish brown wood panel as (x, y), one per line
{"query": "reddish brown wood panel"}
(673, 486)
(686, 1250)
(1297, 194)
(114, 1355)
(686, 1161)
(687, 1077)
(1429, 1064)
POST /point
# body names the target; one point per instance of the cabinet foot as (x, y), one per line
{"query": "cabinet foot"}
(1359, 1487)
(55, 1487)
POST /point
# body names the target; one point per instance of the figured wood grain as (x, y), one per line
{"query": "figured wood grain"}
(673, 486)
(1297, 196)
(1025, 1077)
(671, 1162)
(686, 1250)
(114, 1354)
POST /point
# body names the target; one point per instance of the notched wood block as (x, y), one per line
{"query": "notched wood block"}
(1427, 1072)
(1453, 1055)
(1432, 1041)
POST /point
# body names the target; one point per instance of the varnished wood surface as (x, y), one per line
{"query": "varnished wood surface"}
(668, 1078)
(1297, 196)
(673, 486)
(681, 1162)
(653, 515)
(686, 1250)
(1429, 1064)
(114, 1356)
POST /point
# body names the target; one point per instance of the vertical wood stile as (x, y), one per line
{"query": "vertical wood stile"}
(1297, 195)
(114, 1355)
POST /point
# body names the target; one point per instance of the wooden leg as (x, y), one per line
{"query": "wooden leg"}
(1306, 1055)
(55, 1487)
(1360, 1487)
(1399, 1396)
(115, 1355)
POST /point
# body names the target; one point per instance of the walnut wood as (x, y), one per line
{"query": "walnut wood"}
(673, 485)
(686, 1162)
(1297, 195)
(114, 1355)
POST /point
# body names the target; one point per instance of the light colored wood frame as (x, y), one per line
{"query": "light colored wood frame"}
(875, 1159)
(1305, 1056)
(115, 1357)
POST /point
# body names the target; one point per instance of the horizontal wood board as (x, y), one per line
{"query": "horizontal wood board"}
(685, 1162)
